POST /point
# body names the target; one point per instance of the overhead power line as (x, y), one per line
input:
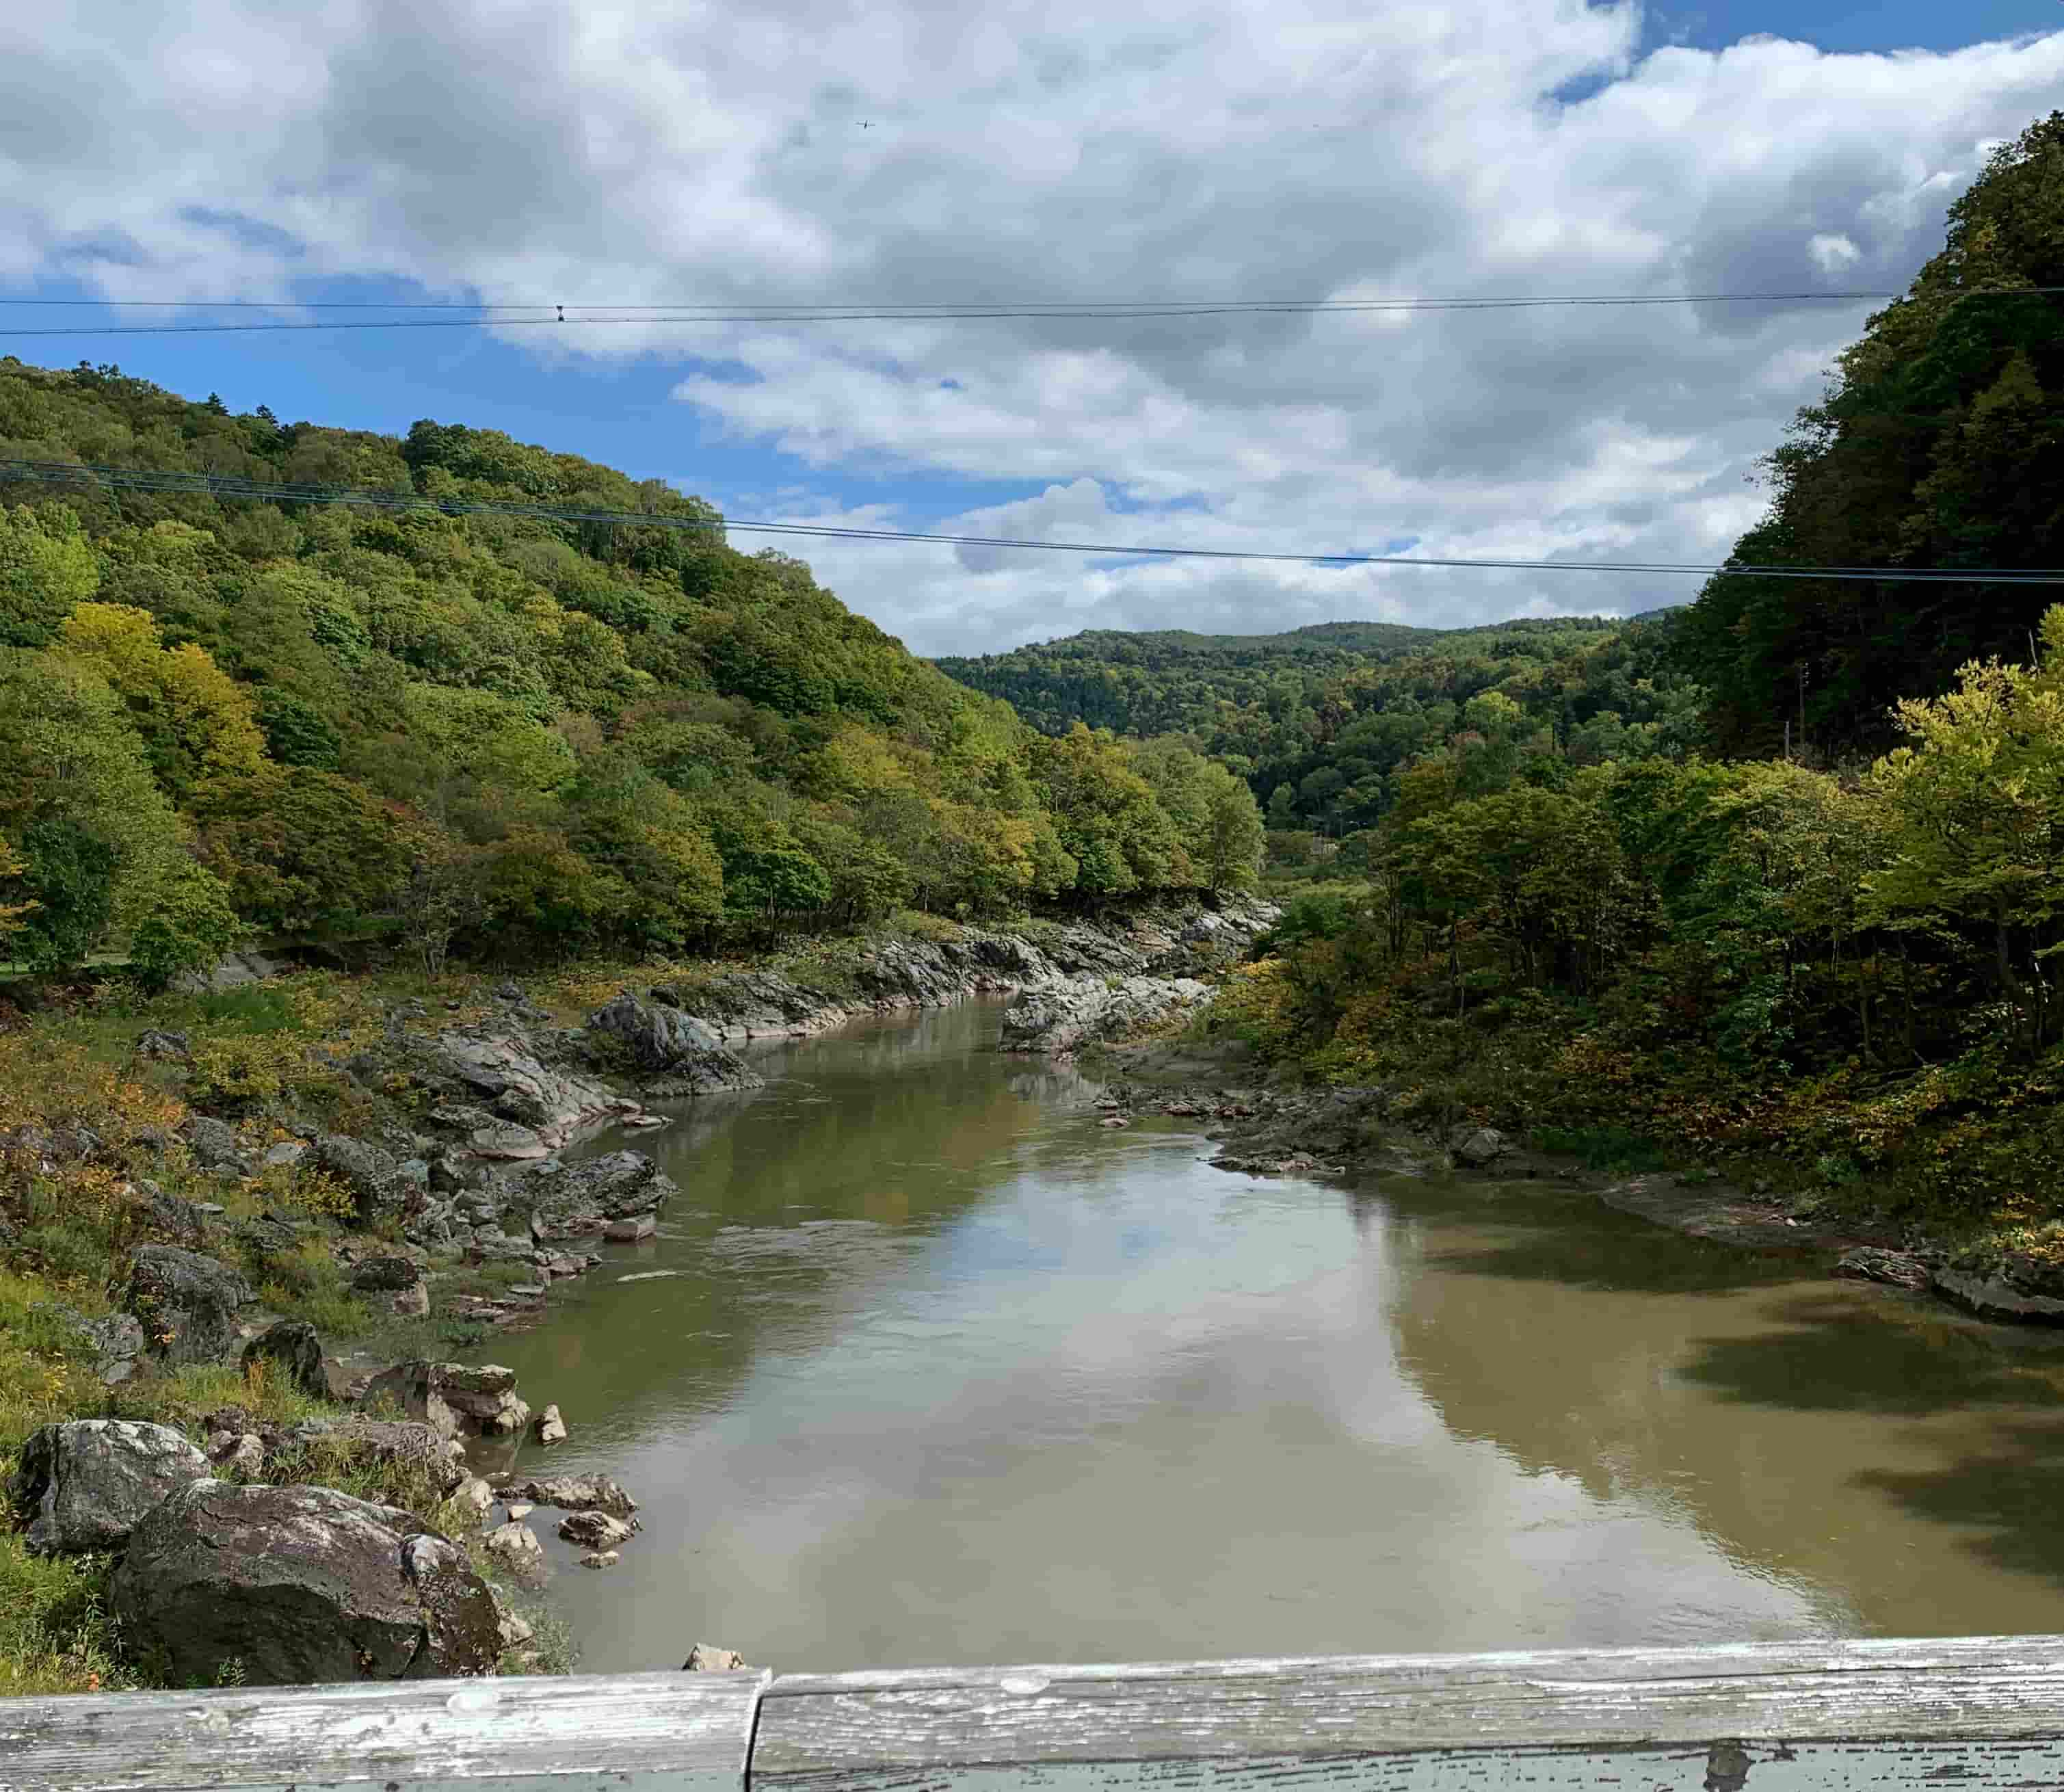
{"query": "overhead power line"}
(556, 316)
(224, 486)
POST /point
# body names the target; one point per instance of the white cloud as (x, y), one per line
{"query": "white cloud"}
(1241, 148)
(1832, 253)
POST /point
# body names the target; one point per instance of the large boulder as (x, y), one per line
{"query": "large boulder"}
(214, 1146)
(292, 1350)
(663, 1042)
(1060, 1018)
(454, 1399)
(570, 1200)
(187, 1303)
(577, 1493)
(83, 1485)
(298, 1584)
(379, 1188)
(530, 1106)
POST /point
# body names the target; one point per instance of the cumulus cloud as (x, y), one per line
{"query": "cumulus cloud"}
(810, 151)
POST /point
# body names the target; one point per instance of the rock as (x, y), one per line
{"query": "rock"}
(663, 1041)
(187, 1303)
(1477, 1145)
(570, 1492)
(173, 1218)
(285, 1155)
(707, 1658)
(162, 1044)
(632, 1231)
(1868, 1263)
(116, 1340)
(594, 1530)
(516, 1547)
(246, 1456)
(412, 1303)
(298, 1584)
(504, 1068)
(551, 1427)
(515, 1633)
(569, 1200)
(1115, 1121)
(213, 1143)
(2004, 1284)
(451, 1398)
(231, 971)
(378, 1188)
(601, 1558)
(477, 1498)
(385, 1275)
(84, 1484)
(1060, 1017)
(292, 1346)
(395, 1443)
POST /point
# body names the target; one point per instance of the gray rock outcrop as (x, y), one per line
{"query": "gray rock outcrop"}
(379, 1186)
(291, 1349)
(1060, 1018)
(186, 1303)
(452, 1399)
(577, 1199)
(85, 1484)
(667, 1043)
(300, 1584)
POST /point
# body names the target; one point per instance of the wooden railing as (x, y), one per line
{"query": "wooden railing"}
(1984, 1712)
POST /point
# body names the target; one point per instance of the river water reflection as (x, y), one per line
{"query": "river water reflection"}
(943, 1372)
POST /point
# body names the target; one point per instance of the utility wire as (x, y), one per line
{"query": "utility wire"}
(223, 486)
(555, 316)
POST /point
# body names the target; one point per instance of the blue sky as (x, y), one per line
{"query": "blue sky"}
(244, 149)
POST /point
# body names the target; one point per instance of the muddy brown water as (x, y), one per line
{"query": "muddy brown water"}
(927, 1366)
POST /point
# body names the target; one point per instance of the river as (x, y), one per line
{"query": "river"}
(928, 1366)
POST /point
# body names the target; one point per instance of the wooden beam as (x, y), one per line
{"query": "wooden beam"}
(661, 1733)
(1987, 1711)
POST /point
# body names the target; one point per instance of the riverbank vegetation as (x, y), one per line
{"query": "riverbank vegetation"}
(1844, 961)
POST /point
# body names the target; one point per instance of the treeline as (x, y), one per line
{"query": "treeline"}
(1940, 446)
(1323, 722)
(1856, 961)
(500, 735)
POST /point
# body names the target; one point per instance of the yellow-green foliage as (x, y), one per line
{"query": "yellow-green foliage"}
(495, 736)
(1856, 972)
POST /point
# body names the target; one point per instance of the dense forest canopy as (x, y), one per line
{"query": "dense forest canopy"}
(1323, 722)
(1939, 445)
(216, 716)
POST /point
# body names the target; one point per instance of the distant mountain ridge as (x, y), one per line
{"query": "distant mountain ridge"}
(1320, 719)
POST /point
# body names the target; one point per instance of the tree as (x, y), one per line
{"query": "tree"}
(197, 722)
(1939, 446)
(1229, 850)
(1975, 805)
(46, 566)
(78, 803)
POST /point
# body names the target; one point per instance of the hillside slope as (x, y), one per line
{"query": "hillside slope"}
(520, 733)
(1321, 720)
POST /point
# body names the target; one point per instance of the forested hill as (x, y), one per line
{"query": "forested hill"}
(516, 733)
(1321, 721)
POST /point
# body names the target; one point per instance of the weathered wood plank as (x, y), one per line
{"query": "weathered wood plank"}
(681, 1732)
(1989, 1710)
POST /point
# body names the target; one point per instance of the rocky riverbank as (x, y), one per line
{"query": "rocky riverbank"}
(434, 1193)
(1265, 1129)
